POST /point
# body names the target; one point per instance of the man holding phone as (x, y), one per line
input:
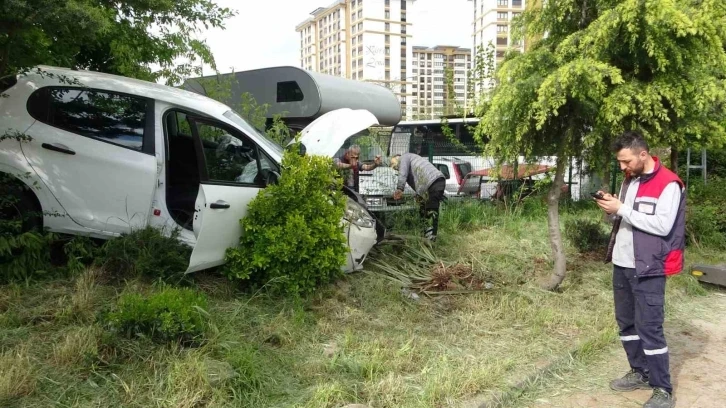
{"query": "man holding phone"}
(646, 245)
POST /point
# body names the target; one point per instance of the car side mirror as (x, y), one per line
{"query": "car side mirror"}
(271, 177)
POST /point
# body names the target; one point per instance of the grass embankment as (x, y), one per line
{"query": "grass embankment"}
(361, 340)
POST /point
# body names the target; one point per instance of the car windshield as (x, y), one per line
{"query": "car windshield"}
(264, 139)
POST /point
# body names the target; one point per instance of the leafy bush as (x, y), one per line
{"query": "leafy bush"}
(292, 233)
(24, 256)
(172, 314)
(80, 252)
(586, 235)
(146, 252)
(706, 213)
(24, 252)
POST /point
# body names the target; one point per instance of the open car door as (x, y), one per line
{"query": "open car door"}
(232, 171)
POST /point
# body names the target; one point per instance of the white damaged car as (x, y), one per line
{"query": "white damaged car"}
(109, 154)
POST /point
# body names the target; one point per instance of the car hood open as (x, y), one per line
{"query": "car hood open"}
(327, 134)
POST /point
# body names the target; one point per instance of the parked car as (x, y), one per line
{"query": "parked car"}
(377, 186)
(110, 154)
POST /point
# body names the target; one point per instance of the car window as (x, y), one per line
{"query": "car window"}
(266, 141)
(444, 169)
(230, 157)
(109, 117)
(464, 168)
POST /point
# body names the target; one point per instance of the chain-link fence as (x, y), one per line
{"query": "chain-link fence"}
(468, 173)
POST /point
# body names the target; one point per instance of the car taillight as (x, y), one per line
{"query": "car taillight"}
(457, 171)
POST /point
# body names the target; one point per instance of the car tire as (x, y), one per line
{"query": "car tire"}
(18, 202)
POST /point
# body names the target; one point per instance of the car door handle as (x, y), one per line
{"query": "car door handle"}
(219, 204)
(57, 147)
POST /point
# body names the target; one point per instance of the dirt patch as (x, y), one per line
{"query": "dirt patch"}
(457, 277)
(698, 368)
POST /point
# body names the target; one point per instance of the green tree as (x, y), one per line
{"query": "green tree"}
(480, 78)
(603, 66)
(451, 107)
(119, 37)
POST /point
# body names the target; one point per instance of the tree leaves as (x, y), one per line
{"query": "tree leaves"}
(603, 66)
(118, 37)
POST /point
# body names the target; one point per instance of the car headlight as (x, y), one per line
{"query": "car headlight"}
(356, 214)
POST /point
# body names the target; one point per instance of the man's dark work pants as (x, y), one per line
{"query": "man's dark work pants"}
(639, 312)
(430, 204)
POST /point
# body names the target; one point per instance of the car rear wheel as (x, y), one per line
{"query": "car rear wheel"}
(19, 210)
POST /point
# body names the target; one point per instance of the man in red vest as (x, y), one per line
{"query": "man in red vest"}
(646, 246)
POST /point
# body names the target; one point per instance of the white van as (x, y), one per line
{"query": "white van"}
(109, 154)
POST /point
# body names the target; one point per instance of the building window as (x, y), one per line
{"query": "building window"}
(502, 15)
(403, 4)
(387, 15)
(502, 28)
(388, 27)
(387, 3)
(403, 17)
(501, 40)
(388, 39)
(516, 3)
(503, 3)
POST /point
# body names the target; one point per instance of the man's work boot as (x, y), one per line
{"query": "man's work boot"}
(630, 382)
(429, 234)
(660, 399)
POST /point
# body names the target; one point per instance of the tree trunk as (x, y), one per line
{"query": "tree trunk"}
(553, 218)
(674, 159)
(606, 178)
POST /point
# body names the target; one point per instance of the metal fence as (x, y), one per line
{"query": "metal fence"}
(469, 174)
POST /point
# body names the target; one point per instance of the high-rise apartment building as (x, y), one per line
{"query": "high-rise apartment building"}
(492, 20)
(366, 40)
(440, 75)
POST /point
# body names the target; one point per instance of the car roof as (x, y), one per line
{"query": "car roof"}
(449, 160)
(97, 80)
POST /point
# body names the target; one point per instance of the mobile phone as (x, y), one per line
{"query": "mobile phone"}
(597, 195)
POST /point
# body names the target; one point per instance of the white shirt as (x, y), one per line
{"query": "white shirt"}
(659, 223)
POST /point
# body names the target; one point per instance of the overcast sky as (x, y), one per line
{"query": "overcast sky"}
(263, 32)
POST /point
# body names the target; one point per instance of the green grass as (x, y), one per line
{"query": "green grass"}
(358, 341)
